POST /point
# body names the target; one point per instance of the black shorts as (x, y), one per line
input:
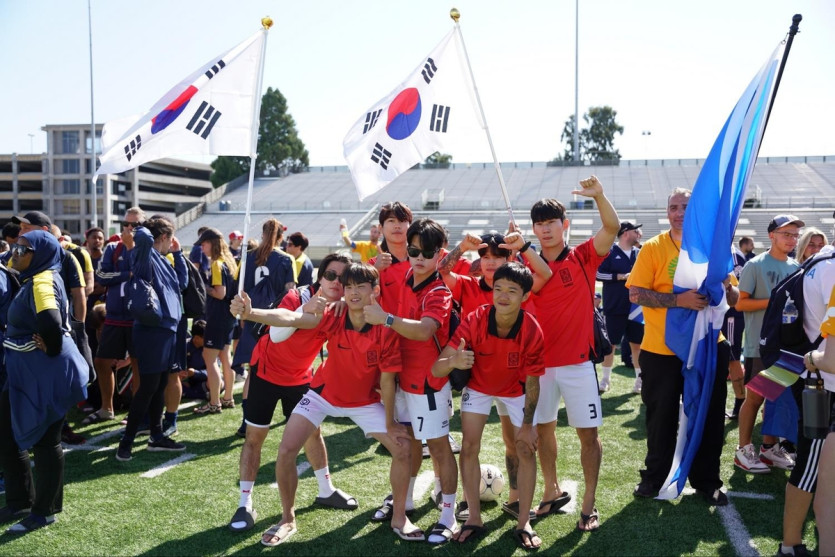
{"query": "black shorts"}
(619, 325)
(218, 333)
(752, 367)
(264, 396)
(115, 342)
(732, 328)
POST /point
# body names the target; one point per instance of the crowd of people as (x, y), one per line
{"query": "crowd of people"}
(403, 322)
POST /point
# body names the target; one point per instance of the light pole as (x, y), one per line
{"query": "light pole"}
(577, 80)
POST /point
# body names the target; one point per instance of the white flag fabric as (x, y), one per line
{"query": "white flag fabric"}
(424, 114)
(210, 112)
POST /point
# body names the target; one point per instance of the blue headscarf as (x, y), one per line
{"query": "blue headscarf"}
(47, 253)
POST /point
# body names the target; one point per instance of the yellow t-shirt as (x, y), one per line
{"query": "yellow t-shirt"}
(367, 250)
(828, 325)
(655, 269)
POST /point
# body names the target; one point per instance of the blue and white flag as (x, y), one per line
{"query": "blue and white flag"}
(705, 260)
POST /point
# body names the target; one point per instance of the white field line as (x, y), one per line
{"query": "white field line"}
(166, 466)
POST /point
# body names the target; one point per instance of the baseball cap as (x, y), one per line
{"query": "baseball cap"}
(626, 226)
(35, 218)
(235, 234)
(209, 234)
(784, 220)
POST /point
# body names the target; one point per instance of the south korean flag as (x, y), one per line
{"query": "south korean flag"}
(427, 112)
(210, 112)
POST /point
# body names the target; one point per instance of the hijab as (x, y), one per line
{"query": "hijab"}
(47, 253)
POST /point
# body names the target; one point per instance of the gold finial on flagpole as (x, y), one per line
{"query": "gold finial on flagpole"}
(454, 14)
(266, 22)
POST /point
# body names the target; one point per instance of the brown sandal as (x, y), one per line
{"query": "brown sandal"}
(208, 408)
(224, 403)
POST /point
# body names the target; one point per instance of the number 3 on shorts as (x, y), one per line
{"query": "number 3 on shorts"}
(593, 411)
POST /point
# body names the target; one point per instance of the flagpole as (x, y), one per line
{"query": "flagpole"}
(455, 15)
(796, 19)
(266, 23)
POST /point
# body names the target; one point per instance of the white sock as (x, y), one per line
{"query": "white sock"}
(448, 510)
(437, 489)
(323, 476)
(607, 372)
(246, 495)
(637, 373)
(410, 502)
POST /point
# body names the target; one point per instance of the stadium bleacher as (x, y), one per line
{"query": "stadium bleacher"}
(467, 197)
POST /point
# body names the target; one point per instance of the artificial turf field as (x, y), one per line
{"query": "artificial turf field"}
(141, 508)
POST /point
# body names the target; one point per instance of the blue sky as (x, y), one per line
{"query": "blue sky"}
(674, 69)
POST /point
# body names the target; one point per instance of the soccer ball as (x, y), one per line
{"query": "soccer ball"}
(492, 483)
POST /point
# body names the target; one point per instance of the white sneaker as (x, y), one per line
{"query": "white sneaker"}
(604, 384)
(636, 388)
(776, 456)
(747, 459)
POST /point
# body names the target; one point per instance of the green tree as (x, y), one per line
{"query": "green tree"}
(279, 145)
(437, 160)
(597, 138)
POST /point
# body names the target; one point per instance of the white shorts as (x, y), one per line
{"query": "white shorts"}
(428, 414)
(371, 418)
(577, 386)
(480, 403)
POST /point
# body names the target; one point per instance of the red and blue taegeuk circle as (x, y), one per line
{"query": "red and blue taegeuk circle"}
(404, 114)
(173, 110)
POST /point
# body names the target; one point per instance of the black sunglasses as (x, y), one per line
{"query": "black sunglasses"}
(331, 275)
(427, 253)
(20, 250)
(126, 223)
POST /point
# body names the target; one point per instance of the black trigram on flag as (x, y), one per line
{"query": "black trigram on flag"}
(429, 70)
(205, 117)
(213, 71)
(381, 156)
(371, 120)
(439, 119)
(132, 147)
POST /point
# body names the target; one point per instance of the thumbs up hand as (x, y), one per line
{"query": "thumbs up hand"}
(374, 313)
(463, 358)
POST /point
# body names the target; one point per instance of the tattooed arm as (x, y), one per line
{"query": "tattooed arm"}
(690, 299)
(527, 434)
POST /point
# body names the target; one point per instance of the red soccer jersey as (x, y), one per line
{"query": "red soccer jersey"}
(288, 363)
(350, 376)
(501, 364)
(432, 299)
(564, 306)
(391, 283)
(473, 293)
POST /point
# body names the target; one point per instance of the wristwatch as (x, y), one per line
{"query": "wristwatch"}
(389, 320)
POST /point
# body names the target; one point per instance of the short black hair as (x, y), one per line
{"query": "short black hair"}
(93, 231)
(515, 272)
(493, 239)
(11, 230)
(198, 328)
(299, 240)
(430, 233)
(547, 209)
(360, 273)
(327, 260)
(395, 209)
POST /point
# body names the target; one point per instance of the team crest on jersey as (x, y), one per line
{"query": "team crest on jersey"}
(371, 358)
(565, 277)
(513, 359)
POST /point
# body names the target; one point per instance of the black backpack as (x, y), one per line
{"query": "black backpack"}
(776, 335)
(194, 296)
